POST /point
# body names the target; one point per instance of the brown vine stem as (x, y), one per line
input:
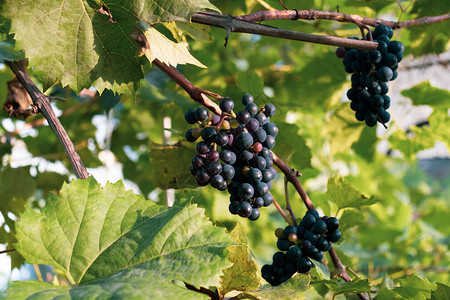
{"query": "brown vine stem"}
(43, 104)
(197, 95)
(310, 14)
(292, 178)
(288, 203)
(8, 250)
(233, 24)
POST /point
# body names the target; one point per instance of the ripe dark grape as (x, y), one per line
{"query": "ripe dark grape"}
(268, 199)
(189, 136)
(201, 114)
(244, 209)
(190, 117)
(340, 52)
(246, 99)
(271, 129)
(252, 125)
(374, 69)
(334, 236)
(254, 215)
(252, 108)
(243, 117)
(226, 104)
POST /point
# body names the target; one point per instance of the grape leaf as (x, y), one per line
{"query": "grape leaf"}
(293, 288)
(88, 232)
(342, 287)
(442, 292)
(321, 269)
(291, 147)
(160, 47)
(242, 276)
(8, 52)
(86, 44)
(344, 195)
(414, 287)
(426, 94)
(365, 146)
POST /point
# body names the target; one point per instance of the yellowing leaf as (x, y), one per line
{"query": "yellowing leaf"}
(160, 47)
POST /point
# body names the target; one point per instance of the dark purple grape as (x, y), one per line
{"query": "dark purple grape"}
(201, 114)
(310, 236)
(252, 108)
(254, 175)
(385, 117)
(259, 135)
(304, 265)
(386, 102)
(246, 99)
(243, 117)
(212, 156)
(319, 227)
(269, 142)
(189, 116)
(279, 258)
(384, 73)
(267, 175)
(233, 208)
(221, 138)
(258, 202)
(262, 118)
(216, 181)
(258, 162)
(334, 236)
(202, 177)
(252, 125)
(226, 104)
(228, 156)
(202, 148)
(208, 134)
(376, 102)
(245, 156)
(308, 221)
(332, 223)
(371, 119)
(243, 141)
(244, 209)
(197, 162)
(340, 52)
(261, 188)
(228, 172)
(322, 244)
(215, 119)
(215, 168)
(293, 254)
(283, 244)
(246, 191)
(384, 88)
(268, 199)
(271, 129)
(264, 152)
(189, 136)
(269, 110)
(254, 215)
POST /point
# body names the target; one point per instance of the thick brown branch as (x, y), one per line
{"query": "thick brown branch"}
(43, 104)
(233, 24)
(293, 14)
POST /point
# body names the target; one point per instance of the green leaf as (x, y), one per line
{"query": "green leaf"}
(293, 288)
(344, 195)
(415, 288)
(8, 52)
(158, 46)
(165, 162)
(351, 218)
(342, 287)
(250, 83)
(442, 292)
(291, 147)
(70, 42)
(88, 232)
(321, 269)
(425, 94)
(365, 146)
(243, 275)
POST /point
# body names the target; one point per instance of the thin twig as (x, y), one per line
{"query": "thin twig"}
(336, 16)
(233, 24)
(43, 104)
(7, 250)
(292, 178)
(38, 272)
(288, 203)
(281, 211)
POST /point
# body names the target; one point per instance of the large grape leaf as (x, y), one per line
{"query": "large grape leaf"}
(82, 43)
(293, 288)
(342, 287)
(344, 195)
(242, 276)
(113, 242)
(426, 94)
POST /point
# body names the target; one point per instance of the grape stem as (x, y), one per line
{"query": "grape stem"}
(288, 203)
(281, 211)
(7, 250)
(310, 14)
(290, 174)
(42, 104)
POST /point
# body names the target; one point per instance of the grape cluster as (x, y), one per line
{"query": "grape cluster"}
(245, 140)
(372, 70)
(297, 244)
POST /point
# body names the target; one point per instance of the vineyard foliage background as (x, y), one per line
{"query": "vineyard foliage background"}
(394, 238)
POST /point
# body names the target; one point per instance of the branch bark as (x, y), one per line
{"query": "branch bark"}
(234, 24)
(293, 14)
(43, 104)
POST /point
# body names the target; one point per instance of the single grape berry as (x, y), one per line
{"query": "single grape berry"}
(246, 99)
(189, 116)
(226, 104)
(201, 114)
(244, 209)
